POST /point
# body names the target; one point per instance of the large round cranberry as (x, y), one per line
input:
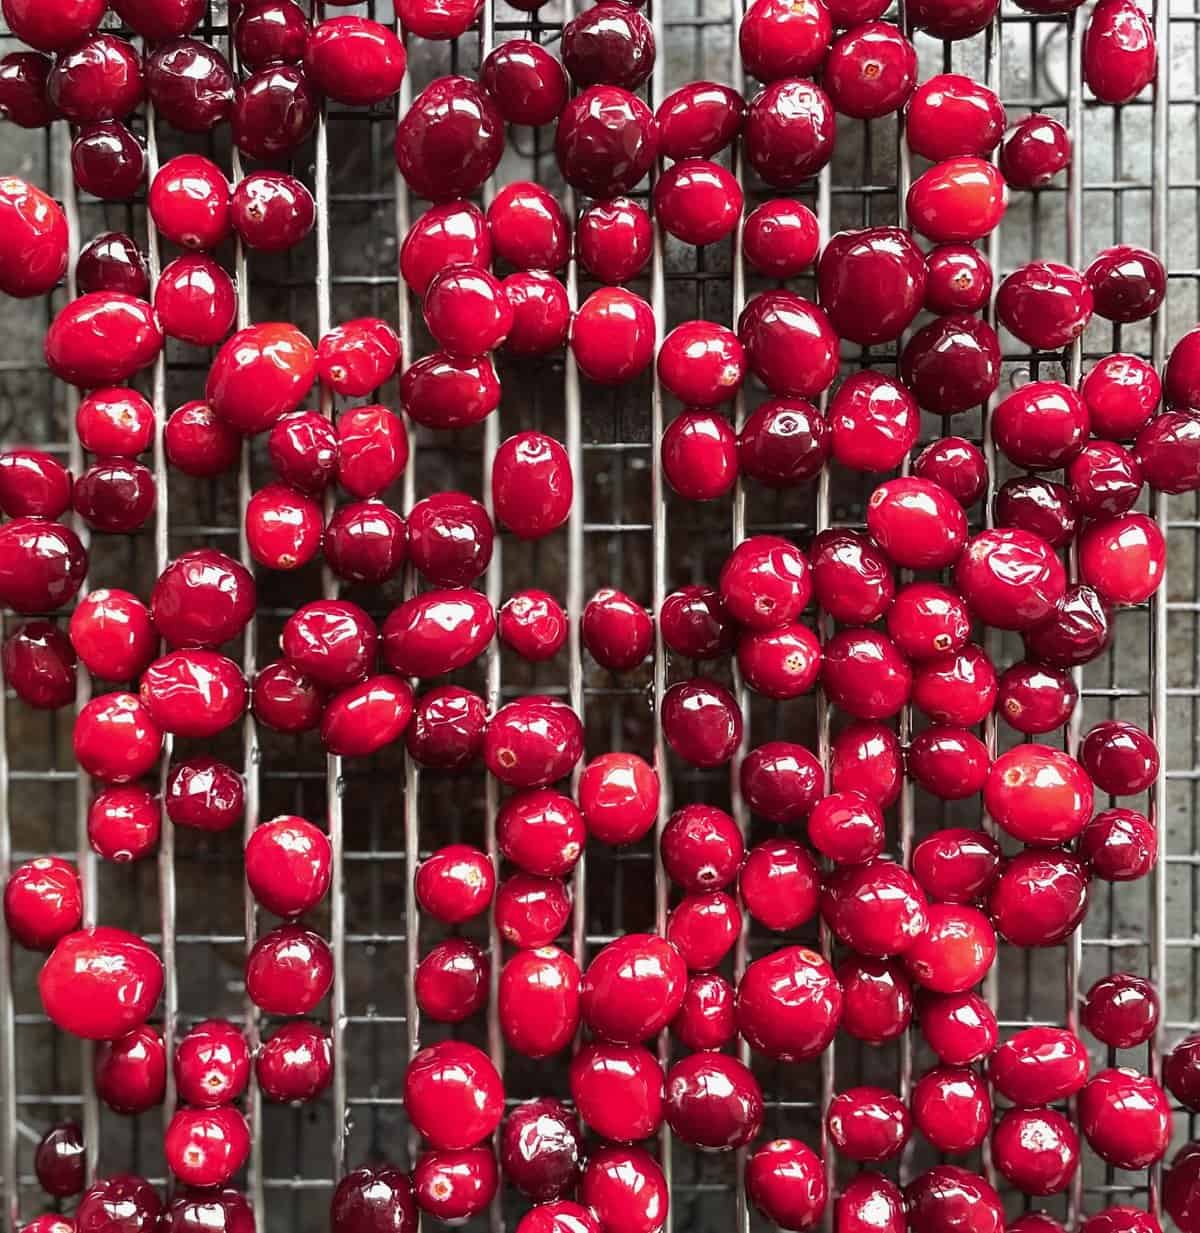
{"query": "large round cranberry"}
(102, 339)
(100, 983)
(788, 1004)
(608, 44)
(713, 1102)
(274, 111)
(532, 484)
(261, 373)
(532, 742)
(780, 238)
(877, 908)
(289, 971)
(606, 141)
(785, 1180)
(618, 1090)
(450, 140)
(1039, 795)
(950, 115)
(960, 200)
(613, 336)
(1039, 898)
(879, 263)
(701, 721)
(873, 422)
(633, 988)
(124, 1201)
(354, 60)
(1045, 304)
(917, 523)
(626, 1190)
(1011, 579)
(1041, 426)
(43, 901)
(779, 39)
(1120, 757)
(789, 132)
(789, 343)
(952, 364)
(1124, 558)
(1125, 1117)
(864, 674)
(116, 739)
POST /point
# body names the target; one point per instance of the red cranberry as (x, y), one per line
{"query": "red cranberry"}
(274, 111)
(541, 312)
(961, 199)
(864, 674)
(1042, 426)
(873, 420)
(116, 739)
(613, 336)
(785, 441)
(466, 311)
(455, 883)
(57, 28)
(951, 763)
(541, 832)
(957, 689)
(528, 228)
(1039, 506)
(123, 824)
(697, 201)
(39, 664)
(1034, 151)
(947, 1196)
(780, 40)
(633, 988)
(302, 447)
(1167, 453)
(212, 1064)
(438, 21)
(261, 373)
(372, 450)
(1121, 393)
(289, 971)
(190, 202)
(618, 1090)
(451, 139)
(865, 757)
(99, 79)
(618, 796)
(1124, 558)
(354, 60)
(701, 364)
(1125, 1117)
(878, 998)
(156, 20)
(35, 256)
(1119, 845)
(199, 443)
(780, 238)
(700, 455)
(538, 1001)
(852, 580)
(287, 699)
(272, 212)
(614, 239)
(190, 84)
(785, 1180)
(948, 19)
(952, 364)
(1119, 51)
(447, 728)
(1036, 1149)
(195, 301)
(877, 908)
(870, 70)
(527, 83)
(1179, 1198)
(58, 1160)
(1011, 579)
(541, 1151)
(204, 794)
(616, 630)
(917, 523)
(453, 1095)
(126, 1201)
(868, 1123)
(533, 742)
(1034, 699)
(131, 1072)
(102, 339)
(43, 901)
(295, 1063)
(332, 641)
(847, 827)
(780, 663)
(701, 721)
(789, 132)
(626, 1190)
(956, 866)
(436, 632)
(533, 624)
(115, 495)
(713, 1102)
(380, 1195)
(959, 1027)
(704, 928)
(193, 692)
(606, 141)
(452, 234)
(701, 848)
(23, 101)
(532, 485)
(955, 951)
(1120, 757)
(202, 598)
(1078, 629)
(789, 1004)
(112, 262)
(1121, 1010)
(789, 344)
(108, 161)
(779, 883)
(1181, 1071)
(608, 43)
(562, 1216)
(698, 120)
(1045, 304)
(927, 620)
(441, 392)
(1039, 898)
(100, 983)
(694, 623)
(781, 780)
(451, 982)
(531, 911)
(1039, 795)
(956, 464)
(288, 865)
(706, 1018)
(41, 564)
(206, 1147)
(113, 422)
(881, 261)
(950, 115)
(958, 279)
(766, 582)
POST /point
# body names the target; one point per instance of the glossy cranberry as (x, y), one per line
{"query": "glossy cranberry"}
(123, 823)
(273, 212)
(878, 998)
(466, 311)
(528, 228)
(950, 115)
(451, 981)
(1041, 426)
(447, 728)
(58, 1160)
(1039, 506)
(701, 848)
(959, 1027)
(781, 781)
(958, 279)
(958, 465)
(116, 739)
(441, 392)
(879, 261)
(193, 692)
(1045, 304)
(788, 1004)
(789, 344)
(538, 1002)
(561, 1216)
(1121, 393)
(947, 1196)
(952, 364)
(632, 988)
(540, 1149)
(374, 1198)
(1166, 454)
(779, 884)
(532, 485)
(533, 624)
(706, 1018)
(115, 495)
(613, 336)
(785, 1180)
(541, 312)
(43, 901)
(780, 40)
(1180, 1188)
(1038, 795)
(195, 301)
(955, 951)
(698, 120)
(190, 84)
(533, 742)
(41, 564)
(1120, 757)
(102, 339)
(1119, 51)
(847, 827)
(786, 441)
(618, 796)
(541, 832)
(528, 84)
(694, 623)
(453, 1095)
(789, 132)
(873, 421)
(1181, 1071)
(1121, 1010)
(616, 630)
(455, 883)
(1010, 578)
(108, 161)
(780, 663)
(372, 450)
(606, 141)
(23, 101)
(868, 1123)
(452, 234)
(131, 1072)
(35, 256)
(1078, 629)
(1034, 699)
(704, 928)
(53, 29)
(780, 238)
(701, 721)
(33, 484)
(1125, 1117)
(864, 674)
(113, 422)
(260, 374)
(274, 111)
(1120, 845)
(713, 1102)
(955, 866)
(202, 598)
(701, 364)
(917, 523)
(865, 757)
(288, 865)
(531, 911)
(1040, 1065)
(950, 763)
(766, 582)
(625, 1189)
(1123, 558)
(1180, 381)
(303, 449)
(1039, 898)
(958, 688)
(212, 1064)
(295, 1063)
(204, 794)
(98, 79)
(100, 983)
(289, 971)
(877, 908)
(927, 620)
(436, 632)
(1035, 150)
(206, 1147)
(618, 1090)
(445, 19)
(700, 453)
(198, 443)
(156, 20)
(354, 60)
(610, 43)
(1037, 1150)
(697, 201)
(852, 580)
(450, 140)
(870, 70)
(39, 665)
(332, 641)
(287, 699)
(125, 1202)
(613, 239)
(961, 199)
(190, 202)
(112, 262)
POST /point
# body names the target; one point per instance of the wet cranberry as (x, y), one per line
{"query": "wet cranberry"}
(1035, 699)
(531, 911)
(1125, 1117)
(354, 60)
(1077, 630)
(958, 279)
(528, 227)
(1179, 1197)
(1121, 392)
(131, 1072)
(702, 364)
(39, 664)
(302, 447)
(706, 1019)
(452, 234)
(540, 1149)
(958, 688)
(260, 374)
(713, 1102)
(372, 450)
(789, 132)
(273, 212)
(115, 495)
(532, 485)
(541, 313)
(1043, 425)
(956, 866)
(43, 901)
(951, 763)
(450, 140)
(204, 794)
(1124, 558)
(625, 1189)
(1121, 1010)
(560, 1216)
(455, 883)
(533, 624)
(632, 988)
(1120, 757)
(955, 951)
(790, 344)
(847, 827)
(701, 848)
(852, 580)
(123, 824)
(112, 262)
(873, 420)
(193, 692)
(102, 339)
(450, 538)
(367, 716)
(780, 238)
(610, 43)
(53, 29)
(198, 443)
(784, 40)
(127, 1201)
(196, 301)
(1038, 506)
(961, 199)
(203, 598)
(451, 981)
(441, 392)
(58, 1160)
(878, 998)
(618, 1090)
(212, 1064)
(781, 781)
(437, 631)
(1120, 845)
(917, 523)
(951, 1108)
(1011, 579)
(112, 422)
(1119, 51)
(788, 1004)
(950, 115)
(1128, 283)
(953, 19)
(206, 1147)
(35, 485)
(1167, 453)
(541, 832)
(864, 674)
(1036, 1149)
(606, 141)
(274, 111)
(952, 364)
(786, 441)
(453, 1095)
(295, 1063)
(372, 1198)
(613, 336)
(1039, 898)
(865, 757)
(616, 630)
(190, 202)
(780, 663)
(947, 1196)
(1035, 150)
(1045, 304)
(99, 79)
(527, 83)
(779, 883)
(956, 464)
(466, 311)
(959, 1027)
(870, 70)
(100, 983)
(532, 742)
(288, 971)
(1039, 795)
(698, 120)
(785, 1180)
(190, 84)
(694, 623)
(882, 259)
(700, 452)
(766, 582)
(447, 728)
(156, 20)
(614, 239)
(108, 161)
(1181, 1071)
(286, 698)
(697, 201)
(870, 1203)
(868, 1123)
(23, 101)
(538, 1001)
(41, 564)
(876, 908)
(701, 722)
(116, 739)
(927, 620)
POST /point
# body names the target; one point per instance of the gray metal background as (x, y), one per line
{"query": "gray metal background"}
(1136, 178)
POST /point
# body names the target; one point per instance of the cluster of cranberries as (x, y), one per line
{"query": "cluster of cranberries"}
(913, 942)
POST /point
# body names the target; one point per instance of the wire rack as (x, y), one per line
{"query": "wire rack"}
(1135, 177)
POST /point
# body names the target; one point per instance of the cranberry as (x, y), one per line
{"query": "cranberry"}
(131, 1072)
(538, 1001)
(112, 262)
(852, 580)
(697, 201)
(701, 364)
(1045, 304)
(156, 20)
(23, 101)
(332, 641)
(541, 832)
(1121, 1010)
(531, 911)
(1167, 454)
(953, 19)
(541, 1150)
(1119, 845)
(847, 827)
(437, 631)
(864, 674)
(113, 422)
(528, 228)
(779, 883)
(950, 763)
(700, 454)
(295, 1063)
(625, 1189)
(713, 1102)
(1043, 425)
(451, 982)
(532, 485)
(609, 43)
(195, 301)
(781, 781)
(206, 1147)
(123, 824)
(1125, 1117)
(618, 796)
(287, 699)
(116, 739)
(926, 620)
(955, 951)
(272, 212)
(786, 441)
(947, 1196)
(451, 139)
(1010, 578)
(212, 1064)
(1121, 393)
(1120, 757)
(1034, 699)
(303, 450)
(354, 60)
(1119, 51)
(881, 261)
(873, 419)
(115, 495)
(533, 624)
(204, 794)
(193, 692)
(952, 364)
(706, 1018)
(562, 1216)
(1038, 794)
(616, 630)
(788, 1004)
(39, 664)
(455, 883)
(959, 1027)
(441, 392)
(445, 20)
(527, 83)
(956, 464)
(41, 564)
(870, 70)
(466, 311)
(1039, 898)
(701, 721)
(1078, 629)
(541, 312)
(43, 901)
(455, 233)
(701, 848)
(1124, 558)
(704, 928)
(865, 757)
(780, 238)
(53, 29)
(190, 202)
(694, 623)
(100, 983)
(274, 111)
(1039, 506)
(35, 255)
(102, 339)
(698, 120)
(288, 971)
(190, 84)
(878, 998)
(780, 663)
(606, 141)
(1036, 1149)
(632, 988)
(99, 79)
(789, 131)
(950, 115)
(1181, 1071)
(785, 1180)
(108, 161)
(447, 728)
(261, 373)
(958, 689)
(202, 598)
(958, 279)
(453, 1095)
(1179, 381)
(877, 908)
(533, 742)
(618, 1090)
(1179, 1195)
(867, 1123)
(613, 239)
(288, 865)
(961, 199)
(372, 1197)
(766, 582)
(784, 40)
(58, 1160)
(126, 1201)
(956, 866)
(1128, 283)
(372, 450)
(917, 523)
(199, 443)
(613, 336)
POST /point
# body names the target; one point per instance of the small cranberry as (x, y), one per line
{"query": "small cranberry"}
(780, 663)
(959, 1027)
(1042, 426)
(852, 580)
(868, 1123)
(451, 981)
(378, 1195)
(272, 212)
(195, 301)
(1178, 1195)
(198, 443)
(617, 631)
(1034, 699)
(528, 84)
(533, 624)
(190, 202)
(112, 262)
(541, 1149)
(455, 233)
(206, 1147)
(694, 623)
(123, 824)
(108, 161)
(372, 450)
(701, 721)
(706, 1018)
(533, 742)
(288, 971)
(956, 464)
(961, 199)
(157, 20)
(952, 364)
(115, 495)
(58, 1160)
(1034, 151)
(697, 201)
(204, 794)
(614, 239)
(700, 455)
(541, 832)
(447, 728)
(445, 20)
(113, 422)
(100, 983)
(1119, 845)
(618, 1090)
(927, 620)
(917, 523)
(704, 928)
(541, 312)
(212, 1064)
(453, 1095)
(287, 699)
(618, 796)
(956, 866)
(866, 758)
(786, 441)
(39, 664)
(613, 336)
(1121, 1010)
(947, 1195)
(701, 848)
(531, 911)
(1167, 452)
(1120, 757)
(1181, 1071)
(295, 1063)
(950, 763)
(958, 279)
(131, 1072)
(560, 1216)
(958, 689)
(878, 998)
(766, 582)
(785, 1180)
(529, 230)
(847, 827)
(781, 781)
(713, 1102)
(455, 883)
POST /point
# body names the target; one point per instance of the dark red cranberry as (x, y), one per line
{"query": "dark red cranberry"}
(785, 441)
(112, 262)
(41, 565)
(1120, 757)
(273, 212)
(274, 111)
(541, 832)
(23, 100)
(1120, 845)
(295, 1063)
(789, 132)
(1039, 898)
(878, 998)
(958, 465)
(99, 79)
(1167, 454)
(115, 495)
(956, 866)
(540, 1150)
(528, 84)
(39, 664)
(160, 19)
(781, 780)
(1035, 699)
(780, 238)
(333, 641)
(694, 623)
(450, 538)
(953, 19)
(1128, 283)
(701, 848)
(951, 763)
(374, 1197)
(204, 794)
(1045, 304)
(713, 1102)
(947, 1195)
(610, 43)
(533, 624)
(451, 981)
(1039, 506)
(847, 827)
(879, 261)
(287, 699)
(864, 674)
(1034, 151)
(124, 1200)
(606, 141)
(784, 40)
(1119, 51)
(1180, 1188)
(447, 728)
(203, 598)
(698, 120)
(108, 161)
(1121, 1010)
(190, 84)
(1078, 629)
(866, 758)
(441, 392)
(1181, 1071)
(852, 580)
(58, 1160)
(789, 343)
(617, 631)
(33, 484)
(952, 364)
(950, 115)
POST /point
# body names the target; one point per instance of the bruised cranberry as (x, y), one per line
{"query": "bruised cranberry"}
(41, 565)
(1121, 1010)
(870, 70)
(789, 132)
(698, 120)
(102, 339)
(864, 674)
(1119, 845)
(1105, 479)
(260, 374)
(532, 485)
(951, 763)
(958, 279)
(958, 465)
(606, 141)
(865, 757)
(785, 1180)
(99, 79)
(528, 84)
(112, 262)
(198, 443)
(203, 598)
(108, 161)
(100, 983)
(609, 43)
(190, 84)
(447, 728)
(786, 441)
(961, 199)
(442, 392)
(1119, 51)
(789, 343)
(780, 238)
(1045, 304)
(39, 664)
(784, 40)
(451, 982)
(879, 261)
(533, 624)
(950, 115)
(204, 794)
(788, 1004)
(450, 140)
(952, 364)
(533, 742)
(124, 823)
(272, 212)
(354, 60)
(1010, 579)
